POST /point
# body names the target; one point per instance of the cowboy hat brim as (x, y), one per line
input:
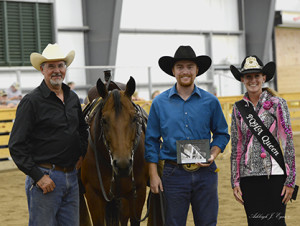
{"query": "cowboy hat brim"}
(37, 59)
(166, 63)
(268, 70)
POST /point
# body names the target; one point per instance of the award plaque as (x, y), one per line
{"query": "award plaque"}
(192, 151)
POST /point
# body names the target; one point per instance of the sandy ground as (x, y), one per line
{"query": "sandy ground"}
(13, 208)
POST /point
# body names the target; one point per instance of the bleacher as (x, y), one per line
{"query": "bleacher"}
(6, 122)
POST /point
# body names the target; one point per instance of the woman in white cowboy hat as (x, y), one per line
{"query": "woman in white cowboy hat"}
(184, 113)
(48, 141)
(261, 180)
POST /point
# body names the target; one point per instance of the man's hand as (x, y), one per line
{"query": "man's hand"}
(46, 184)
(215, 151)
(79, 163)
(155, 181)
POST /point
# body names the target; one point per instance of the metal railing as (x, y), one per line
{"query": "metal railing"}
(293, 101)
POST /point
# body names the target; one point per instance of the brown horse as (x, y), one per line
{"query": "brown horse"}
(114, 171)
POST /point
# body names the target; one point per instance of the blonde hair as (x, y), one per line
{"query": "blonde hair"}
(271, 91)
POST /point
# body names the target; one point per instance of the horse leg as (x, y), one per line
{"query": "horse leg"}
(125, 212)
(137, 205)
(84, 214)
(96, 206)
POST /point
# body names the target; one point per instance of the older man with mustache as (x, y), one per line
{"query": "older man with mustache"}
(48, 142)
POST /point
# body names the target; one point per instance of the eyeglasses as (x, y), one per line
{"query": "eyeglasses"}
(52, 66)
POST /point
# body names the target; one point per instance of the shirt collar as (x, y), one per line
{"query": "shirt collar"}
(46, 91)
(262, 97)
(174, 91)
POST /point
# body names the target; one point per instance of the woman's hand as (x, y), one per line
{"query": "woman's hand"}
(237, 192)
(287, 193)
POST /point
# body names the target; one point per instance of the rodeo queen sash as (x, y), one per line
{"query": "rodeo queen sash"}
(263, 135)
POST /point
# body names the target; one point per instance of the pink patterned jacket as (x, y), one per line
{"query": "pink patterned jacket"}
(246, 150)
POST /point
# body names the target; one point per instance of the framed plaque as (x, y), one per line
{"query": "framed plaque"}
(192, 151)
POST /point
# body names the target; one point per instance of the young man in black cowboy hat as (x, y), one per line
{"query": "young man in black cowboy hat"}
(184, 113)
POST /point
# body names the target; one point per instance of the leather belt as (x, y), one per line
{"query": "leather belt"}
(191, 167)
(172, 162)
(56, 167)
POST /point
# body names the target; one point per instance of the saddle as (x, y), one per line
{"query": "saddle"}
(94, 100)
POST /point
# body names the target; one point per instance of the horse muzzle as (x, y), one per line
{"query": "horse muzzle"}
(122, 168)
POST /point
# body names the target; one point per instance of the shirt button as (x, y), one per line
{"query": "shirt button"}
(187, 138)
(186, 126)
(185, 113)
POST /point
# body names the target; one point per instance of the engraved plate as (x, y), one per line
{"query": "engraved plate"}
(192, 151)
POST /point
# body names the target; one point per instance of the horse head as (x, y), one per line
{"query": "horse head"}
(119, 126)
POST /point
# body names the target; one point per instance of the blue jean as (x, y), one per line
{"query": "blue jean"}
(199, 188)
(59, 207)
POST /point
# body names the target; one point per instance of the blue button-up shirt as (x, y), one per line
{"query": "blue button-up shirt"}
(172, 118)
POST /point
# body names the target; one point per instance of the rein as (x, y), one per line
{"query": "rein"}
(139, 126)
(141, 120)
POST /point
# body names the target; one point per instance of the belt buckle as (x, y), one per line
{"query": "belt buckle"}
(191, 167)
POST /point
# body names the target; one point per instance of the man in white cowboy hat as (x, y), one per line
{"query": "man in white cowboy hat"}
(185, 112)
(48, 142)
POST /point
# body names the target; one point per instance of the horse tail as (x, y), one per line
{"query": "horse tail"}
(112, 211)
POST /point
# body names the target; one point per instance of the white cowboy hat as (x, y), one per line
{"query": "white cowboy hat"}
(51, 53)
(16, 85)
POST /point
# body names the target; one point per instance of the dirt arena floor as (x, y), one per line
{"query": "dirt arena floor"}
(13, 206)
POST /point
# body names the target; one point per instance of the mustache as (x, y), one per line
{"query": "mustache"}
(56, 74)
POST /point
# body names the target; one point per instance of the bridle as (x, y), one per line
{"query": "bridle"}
(139, 122)
(140, 126)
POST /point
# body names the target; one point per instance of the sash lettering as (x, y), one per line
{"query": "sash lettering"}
(266, 140)
(254, 124)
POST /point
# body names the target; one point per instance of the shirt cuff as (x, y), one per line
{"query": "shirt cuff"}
(36, 174)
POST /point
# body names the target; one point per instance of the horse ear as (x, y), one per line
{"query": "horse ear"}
(101, 88)
(130, 87)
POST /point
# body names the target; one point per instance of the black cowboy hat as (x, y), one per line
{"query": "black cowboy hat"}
(166, 63)
(252, 64)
